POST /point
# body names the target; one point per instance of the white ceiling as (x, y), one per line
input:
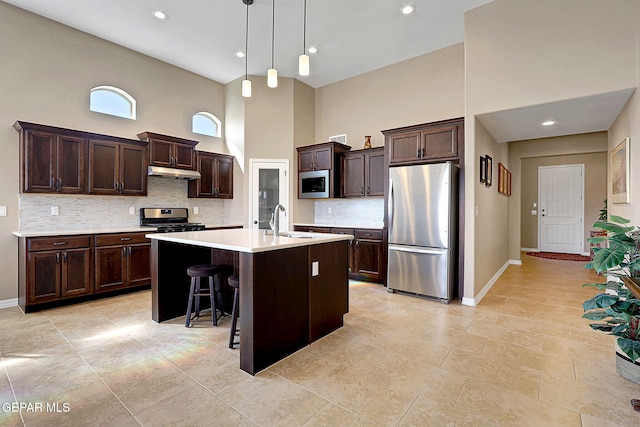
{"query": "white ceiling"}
(353, 37)
(202, 36)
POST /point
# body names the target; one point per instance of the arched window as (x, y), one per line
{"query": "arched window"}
(205, 123)
(113, 101)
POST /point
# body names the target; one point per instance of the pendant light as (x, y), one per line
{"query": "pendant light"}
(246, 83)
(272, 73)
(303, 60)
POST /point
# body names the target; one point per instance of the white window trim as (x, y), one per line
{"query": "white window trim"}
(211, 117)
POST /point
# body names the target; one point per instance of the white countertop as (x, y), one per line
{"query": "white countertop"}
(138, 229)
(248, 240)
(371, 227)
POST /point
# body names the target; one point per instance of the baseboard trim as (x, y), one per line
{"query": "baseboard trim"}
(8, 303)
(529, 250)
(474, 301)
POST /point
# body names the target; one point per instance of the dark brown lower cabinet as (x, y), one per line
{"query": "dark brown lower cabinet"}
(367, 259)
(122, 260)
(57, 268)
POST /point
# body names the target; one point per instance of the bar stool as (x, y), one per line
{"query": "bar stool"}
(212, 271)
(234, 282)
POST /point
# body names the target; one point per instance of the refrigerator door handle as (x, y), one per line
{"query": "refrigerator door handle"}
(390, 206)
(417, 250)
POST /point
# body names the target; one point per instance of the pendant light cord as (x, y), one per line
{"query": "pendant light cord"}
(246, 45)
(304, 29)
(273, 28)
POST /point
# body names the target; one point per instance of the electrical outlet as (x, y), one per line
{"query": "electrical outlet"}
(315, 268)
(132, 210)
(3, 211)
(535, 205)
(55, 210)
(196, 210)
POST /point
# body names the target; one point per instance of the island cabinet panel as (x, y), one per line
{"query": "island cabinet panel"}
(122, 260)
(170, 151)
(52, 162)
(117, 168)
(328, 297)
(216, 176)
(363, 173)
(56, 268)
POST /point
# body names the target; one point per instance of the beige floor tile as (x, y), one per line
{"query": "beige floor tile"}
(426, 412)
(507, 333)
(506, 407)
(102, 409)
(143, 385)
(116, 356)
(589, 399)
(30, 339)
(9, 416)
(192, 407)
(494, 371)
(605, 376)
(333, 415)
(579, 350)
(589, 421)
(304, 366)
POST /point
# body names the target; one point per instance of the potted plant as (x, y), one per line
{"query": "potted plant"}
(618, 305)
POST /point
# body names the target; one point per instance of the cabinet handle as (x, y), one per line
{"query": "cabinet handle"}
(129, 250)
(357, 243)
(64, 257)
(125, 239)
(58, 258)
(59, 184)
(53, 183)
(59, 243)
(419, 152)
(368, 189)
(362, 190)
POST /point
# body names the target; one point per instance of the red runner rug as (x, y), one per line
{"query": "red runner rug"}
(563, 257)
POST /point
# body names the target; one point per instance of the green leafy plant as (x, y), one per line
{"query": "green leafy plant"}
(618, 305)
(603, 212)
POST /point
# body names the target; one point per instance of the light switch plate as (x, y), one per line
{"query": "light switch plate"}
(55, 210)
(534, 212)
(132, 210)
(315, 267)
(196, 210)
(3, 211)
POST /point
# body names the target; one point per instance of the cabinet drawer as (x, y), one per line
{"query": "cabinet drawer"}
(62, 242)
(121, 239)
(342, 231)
(369, 234)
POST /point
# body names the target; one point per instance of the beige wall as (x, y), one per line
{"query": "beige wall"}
(420, 90)
(595, 191)
(47, 74)
(518, 54)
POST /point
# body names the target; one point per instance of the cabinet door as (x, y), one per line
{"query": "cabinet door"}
(76, 272)
(305, 160)
(405, 148)
(368, 258)
(224, 177)
(323, 158)
(353, 168)
(374, 174)
(110, 267)
(43, 276)
(440, 143)
(39, 162)
(161, 153)
(183, 156)
(70, 171)
(138, 264)
(351, 248)
(104, 163)
(205, 186)
(133, 170)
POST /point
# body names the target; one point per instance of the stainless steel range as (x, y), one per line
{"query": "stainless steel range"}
(168, 220)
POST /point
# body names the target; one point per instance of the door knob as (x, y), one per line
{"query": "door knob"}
(255, 222)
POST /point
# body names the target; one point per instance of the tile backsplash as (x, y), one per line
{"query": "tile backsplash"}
(359, 212)
(106, 212)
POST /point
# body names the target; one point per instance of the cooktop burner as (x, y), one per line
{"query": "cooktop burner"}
(168, 220)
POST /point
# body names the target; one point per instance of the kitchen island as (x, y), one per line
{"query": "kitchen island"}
(293, 287)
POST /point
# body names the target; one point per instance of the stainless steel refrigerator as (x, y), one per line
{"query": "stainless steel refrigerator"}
(422, 221)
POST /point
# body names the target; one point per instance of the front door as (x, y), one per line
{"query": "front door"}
(561, 218)
(269, 187)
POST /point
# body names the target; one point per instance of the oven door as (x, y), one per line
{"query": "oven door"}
(314, 185)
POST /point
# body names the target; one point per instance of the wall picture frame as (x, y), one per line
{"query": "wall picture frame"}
(489, 171)
(620, 172)
(483, 169)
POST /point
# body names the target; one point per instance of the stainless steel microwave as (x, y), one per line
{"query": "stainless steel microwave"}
(314, 184)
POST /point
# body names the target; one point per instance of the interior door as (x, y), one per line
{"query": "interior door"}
(269, 187)
(561, 218)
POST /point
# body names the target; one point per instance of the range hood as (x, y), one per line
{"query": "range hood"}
(173, 173)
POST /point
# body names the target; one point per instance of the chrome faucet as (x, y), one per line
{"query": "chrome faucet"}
(274, 223)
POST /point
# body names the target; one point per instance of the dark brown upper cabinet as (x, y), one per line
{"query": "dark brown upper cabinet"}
(216, 176)
(52, 161)
(117, 168)
(363, 173)
(439, 141)
(170, 151)
(320, 156)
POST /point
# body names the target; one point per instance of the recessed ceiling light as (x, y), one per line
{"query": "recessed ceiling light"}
(160, 14)
(240, 54)
(313, 49)
(549, 123)
(409, 9)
